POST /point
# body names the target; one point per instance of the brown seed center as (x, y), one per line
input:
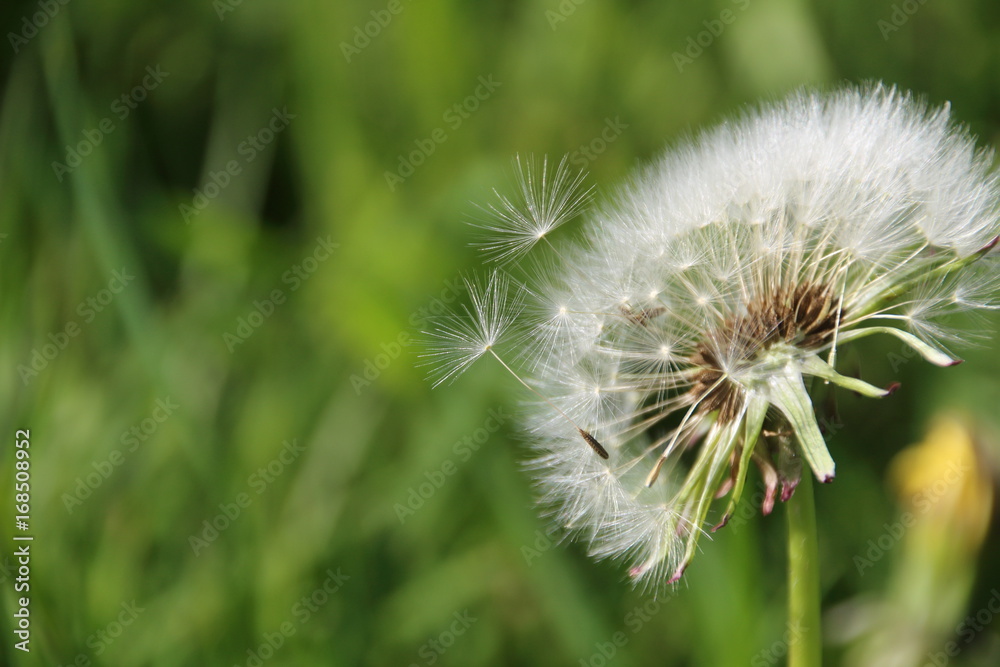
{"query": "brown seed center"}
(802, 315)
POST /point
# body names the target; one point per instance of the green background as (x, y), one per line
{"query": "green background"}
(357, 108)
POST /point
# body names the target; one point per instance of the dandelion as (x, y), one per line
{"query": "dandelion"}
(677, 339)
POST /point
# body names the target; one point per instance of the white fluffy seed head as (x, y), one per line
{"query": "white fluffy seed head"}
(677, 332)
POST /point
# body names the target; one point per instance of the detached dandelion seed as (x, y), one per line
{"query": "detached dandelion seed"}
(678, 334)
(546, 198)
(459, 340)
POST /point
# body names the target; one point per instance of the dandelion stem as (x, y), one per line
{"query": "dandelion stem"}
(805, 645)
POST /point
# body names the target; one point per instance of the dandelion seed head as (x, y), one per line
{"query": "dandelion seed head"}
(678, 330)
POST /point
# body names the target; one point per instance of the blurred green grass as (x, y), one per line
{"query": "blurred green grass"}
(471, 546)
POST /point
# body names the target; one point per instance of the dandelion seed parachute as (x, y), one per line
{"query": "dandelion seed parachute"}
(459, 340)
(680, 330)
(546, 198)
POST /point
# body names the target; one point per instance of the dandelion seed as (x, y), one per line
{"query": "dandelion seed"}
(457, 341)
(546, 199)
(702, 299)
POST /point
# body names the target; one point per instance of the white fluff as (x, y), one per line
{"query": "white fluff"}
(864, 191)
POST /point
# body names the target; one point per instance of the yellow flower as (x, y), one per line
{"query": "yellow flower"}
(942, 481)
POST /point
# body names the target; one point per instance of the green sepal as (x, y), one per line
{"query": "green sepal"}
(813, 365)
(702, 482)
(789, 394)
(753, 422)
(928, 352)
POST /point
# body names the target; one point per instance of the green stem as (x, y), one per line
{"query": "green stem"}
(805, 645)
